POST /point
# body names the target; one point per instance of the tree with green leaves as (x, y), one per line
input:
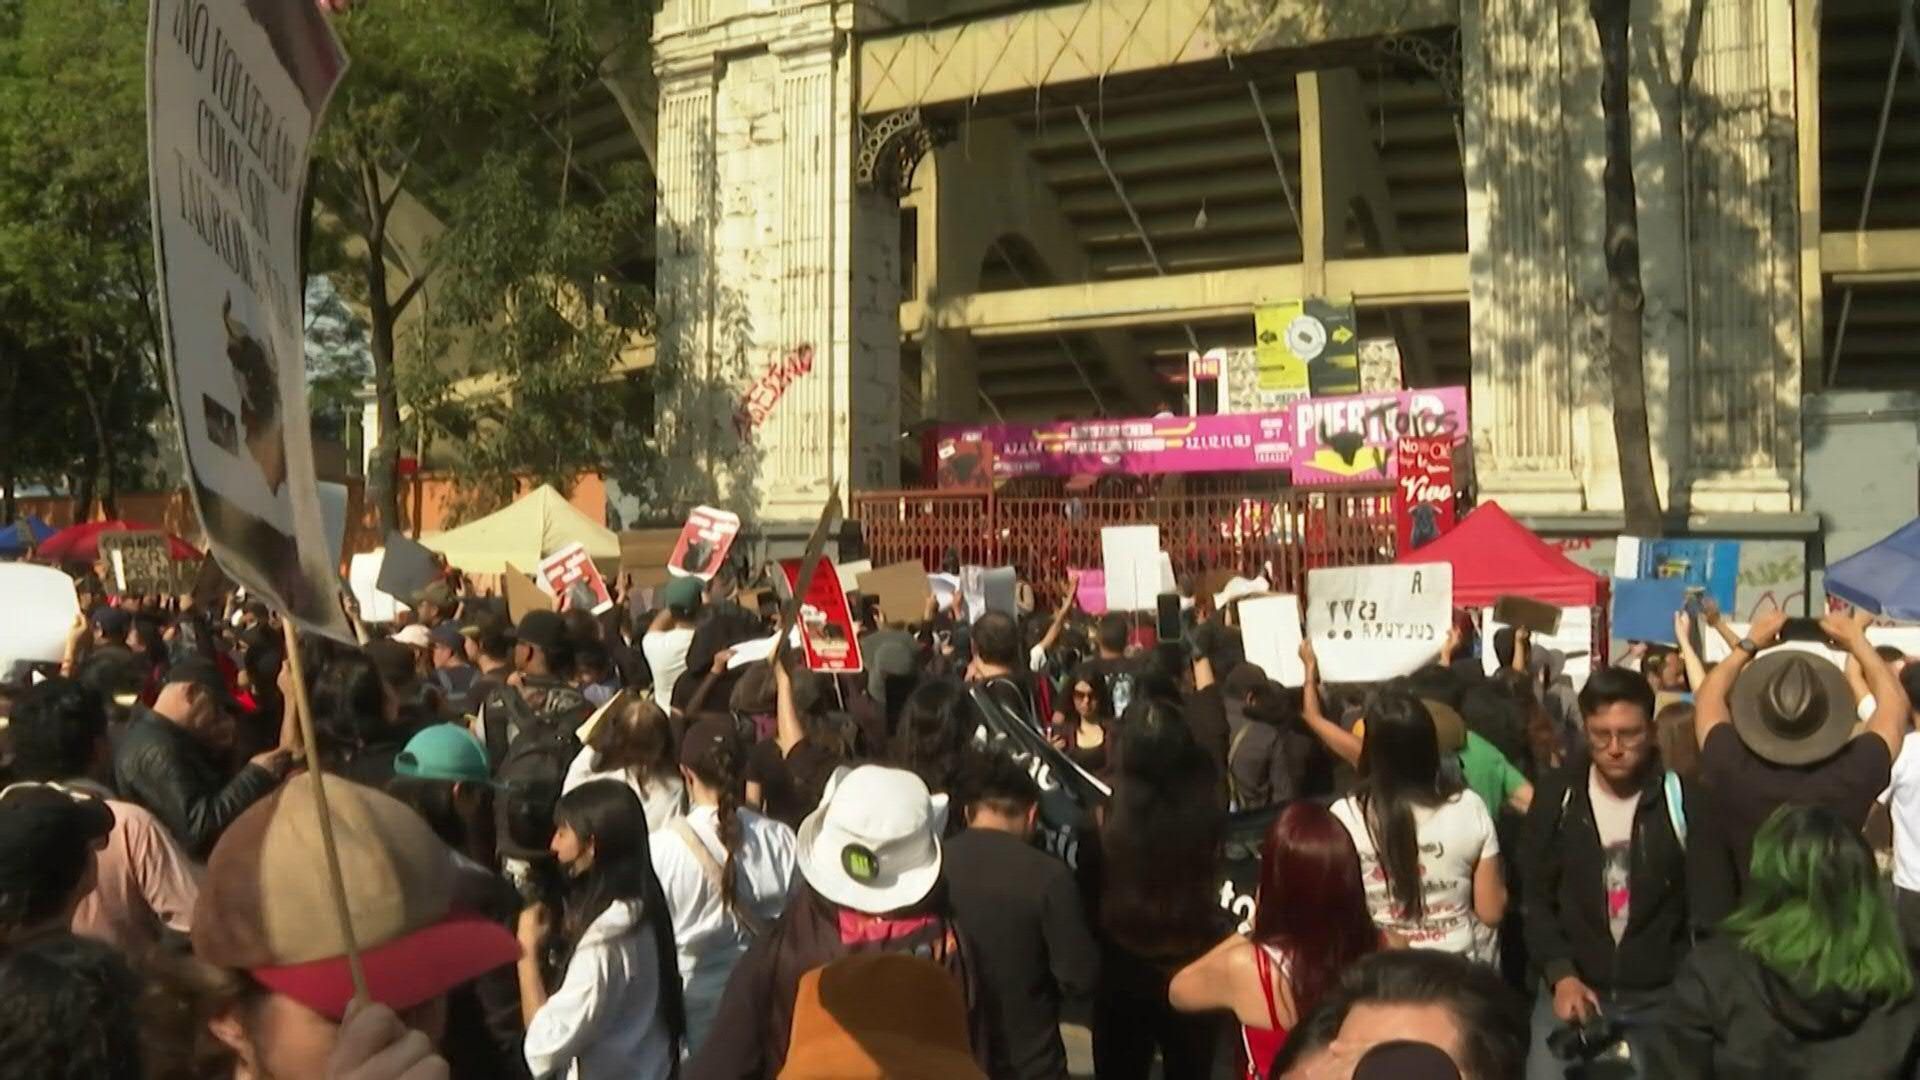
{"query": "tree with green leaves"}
(81, 388)
(499, 333)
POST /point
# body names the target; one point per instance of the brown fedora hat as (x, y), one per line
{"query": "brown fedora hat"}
(1793, 708)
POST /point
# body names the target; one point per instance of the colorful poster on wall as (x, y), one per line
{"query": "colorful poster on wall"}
(235, 93)
(965, 460)
(1143, 445)
(1423, 504)
(1282, 369)
(826, 626)
(1379, 365)
(1240, 391)
(1353, 440)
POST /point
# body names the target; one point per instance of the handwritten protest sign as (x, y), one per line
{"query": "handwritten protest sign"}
(235, 94)
(1270, 627)
(1378, 622)
(41, 607)
(704, 542)
(571, 576)
(1135, 571)
(826, 626)
(141, 562)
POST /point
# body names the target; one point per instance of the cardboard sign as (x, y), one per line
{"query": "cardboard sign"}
(1136, 572)
(826, 626)
(591, 725)
(140, 562)
(1369, 623)
(1538, 616)
(333, 520)
(849, 573)
(644, 554)
(228, 224)
(1573, 640)
(901, 588)
(1643, 608)
(41, 607)
(1000, 587)
(704, 542)
(523, 595)
(571, 576)
(363, 580)
(408, 567)
(1270, 627)
(1423, 503)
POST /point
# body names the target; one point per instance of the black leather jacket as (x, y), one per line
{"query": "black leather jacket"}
(161, 767)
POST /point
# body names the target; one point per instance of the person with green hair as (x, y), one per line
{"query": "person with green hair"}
(1807, 978)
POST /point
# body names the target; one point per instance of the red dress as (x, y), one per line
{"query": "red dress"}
(1263, 1044)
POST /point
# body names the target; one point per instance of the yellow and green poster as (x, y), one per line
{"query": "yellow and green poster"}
(1307, 346)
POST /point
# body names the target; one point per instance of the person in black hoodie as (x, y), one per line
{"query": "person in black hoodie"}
(1808, 977)
(1605, 883)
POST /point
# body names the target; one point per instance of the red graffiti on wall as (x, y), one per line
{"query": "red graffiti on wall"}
(758, 402)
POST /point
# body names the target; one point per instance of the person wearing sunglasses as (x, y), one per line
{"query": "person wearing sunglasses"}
(1081, 729)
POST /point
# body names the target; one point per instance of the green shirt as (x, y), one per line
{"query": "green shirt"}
(1488, 773)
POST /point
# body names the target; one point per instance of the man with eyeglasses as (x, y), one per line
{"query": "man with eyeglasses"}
(1604, 871)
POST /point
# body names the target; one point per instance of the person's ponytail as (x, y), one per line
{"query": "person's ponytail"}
(725, 770)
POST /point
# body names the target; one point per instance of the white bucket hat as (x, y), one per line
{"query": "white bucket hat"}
(873, 844)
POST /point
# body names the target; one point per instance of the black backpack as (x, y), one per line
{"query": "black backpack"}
(540, 746)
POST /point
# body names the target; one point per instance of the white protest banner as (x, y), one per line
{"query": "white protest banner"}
(570, 574)
(1135, 576)
(363, 576)
(41, 607)
(1574, 642)
(973, 589)
(1270, 629)
(1369, 623)
(235, 92)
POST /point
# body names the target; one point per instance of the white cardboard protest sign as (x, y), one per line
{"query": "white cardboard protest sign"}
(1270, 630)
(1574, 641)
(1137, 571)
(1369, 623)
(363, 575)
(235, 92)
(41, 607)
(849, 573)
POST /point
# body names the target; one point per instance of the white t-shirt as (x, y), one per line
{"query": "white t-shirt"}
(662, 797)
(666, 653)
(709, 942)
(1613, 819)
(1454, 837)
(605, 1019)
(1903, 799)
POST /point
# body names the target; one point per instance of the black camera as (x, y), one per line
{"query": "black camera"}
(1588, 1046)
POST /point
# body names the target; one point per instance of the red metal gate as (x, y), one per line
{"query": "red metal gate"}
(1244, 528)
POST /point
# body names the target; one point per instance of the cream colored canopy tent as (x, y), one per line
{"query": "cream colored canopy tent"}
(538, 525)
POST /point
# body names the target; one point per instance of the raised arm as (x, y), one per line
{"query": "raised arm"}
(1891, 710)
(1342, 743)
(789, 732)
(1683, 630)
(1710, 708)
(1060, 614)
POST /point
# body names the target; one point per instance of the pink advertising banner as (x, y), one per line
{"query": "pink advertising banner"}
(1324, 441)
(1353, 439)
(1160, 444)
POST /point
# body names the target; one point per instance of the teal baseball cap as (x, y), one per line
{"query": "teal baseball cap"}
(446, 752)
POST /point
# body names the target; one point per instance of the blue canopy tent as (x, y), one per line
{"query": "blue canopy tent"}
(14, 538)
(1884, 578)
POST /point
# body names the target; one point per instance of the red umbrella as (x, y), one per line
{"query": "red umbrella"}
(81, 543)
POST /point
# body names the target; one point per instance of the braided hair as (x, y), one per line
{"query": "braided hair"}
(723, 767)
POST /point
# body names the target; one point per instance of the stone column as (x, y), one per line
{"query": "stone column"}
(778, 282)
(1525, 361)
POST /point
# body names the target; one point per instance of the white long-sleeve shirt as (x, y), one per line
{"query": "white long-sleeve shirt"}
(605, 1019)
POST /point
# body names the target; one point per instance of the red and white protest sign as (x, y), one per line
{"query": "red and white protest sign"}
(826, 626)
(1423, 492)
(704, 542)
(575, 581)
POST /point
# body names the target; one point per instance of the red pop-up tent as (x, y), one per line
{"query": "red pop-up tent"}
(1494, 556)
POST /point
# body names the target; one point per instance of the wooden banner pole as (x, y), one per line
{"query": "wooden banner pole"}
(334, 879)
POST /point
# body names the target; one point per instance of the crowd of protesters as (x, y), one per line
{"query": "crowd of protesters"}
(598, 846)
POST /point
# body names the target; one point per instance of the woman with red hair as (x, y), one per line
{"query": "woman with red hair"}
(1310, 922)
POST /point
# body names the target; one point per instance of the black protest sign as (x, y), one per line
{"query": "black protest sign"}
(140, 563)
(1535, 615)
(408, 567)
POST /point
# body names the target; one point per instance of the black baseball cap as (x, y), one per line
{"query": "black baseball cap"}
(204, 674)
(112, 621)
(448, 636)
